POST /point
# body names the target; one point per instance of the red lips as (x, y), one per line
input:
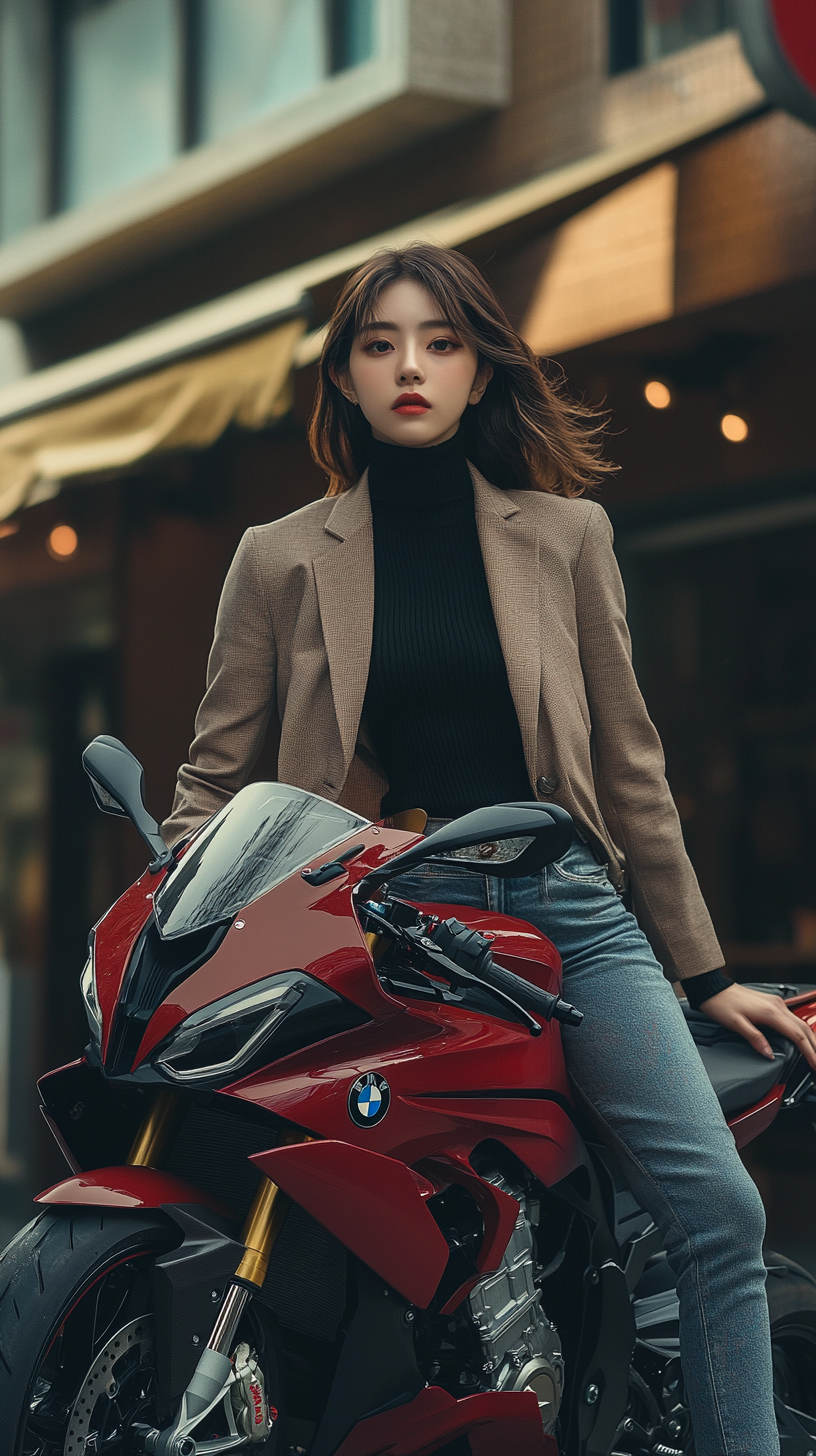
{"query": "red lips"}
(411, 404)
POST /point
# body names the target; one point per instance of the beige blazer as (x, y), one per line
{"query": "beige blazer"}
(291, 655)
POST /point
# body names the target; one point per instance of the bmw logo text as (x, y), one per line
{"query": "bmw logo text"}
(369, 1099)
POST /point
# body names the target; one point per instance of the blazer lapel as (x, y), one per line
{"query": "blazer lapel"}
(510, 549)
(344, 575)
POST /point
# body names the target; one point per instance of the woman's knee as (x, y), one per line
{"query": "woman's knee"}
(732, 1215)
(748, 1215)
(719, 1217)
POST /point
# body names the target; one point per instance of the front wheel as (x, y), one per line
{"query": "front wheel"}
(77, 1365)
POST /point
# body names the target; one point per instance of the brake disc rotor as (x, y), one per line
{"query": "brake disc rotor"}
(136, 1337)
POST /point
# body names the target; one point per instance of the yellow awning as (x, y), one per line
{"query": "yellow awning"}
(185, 406)
(61, 424)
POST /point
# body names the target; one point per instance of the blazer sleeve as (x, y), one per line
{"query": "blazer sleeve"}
(630, 769)
(232, 721)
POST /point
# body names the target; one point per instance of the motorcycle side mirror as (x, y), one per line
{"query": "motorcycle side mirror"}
(117, 784)
(509, 840)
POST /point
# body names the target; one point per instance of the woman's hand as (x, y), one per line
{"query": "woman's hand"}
(745, 1011)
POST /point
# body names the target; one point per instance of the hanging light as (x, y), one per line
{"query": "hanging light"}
(62, 542)
(657, 394)
(734, 428)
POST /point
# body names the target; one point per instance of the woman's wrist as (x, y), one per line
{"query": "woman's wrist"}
(701, 988)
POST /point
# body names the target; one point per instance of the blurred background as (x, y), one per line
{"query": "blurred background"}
(184, 184)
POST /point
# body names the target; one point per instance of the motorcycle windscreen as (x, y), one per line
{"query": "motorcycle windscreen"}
(263, 835)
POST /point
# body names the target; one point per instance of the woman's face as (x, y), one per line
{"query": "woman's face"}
(410, 372)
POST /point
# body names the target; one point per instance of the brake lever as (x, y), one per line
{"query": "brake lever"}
(415, 939)
(457, 975)
(395, 932)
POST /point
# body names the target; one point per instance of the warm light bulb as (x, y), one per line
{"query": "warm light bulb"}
(8, 528)
(734, 428)
(62, 542)
(658, 395)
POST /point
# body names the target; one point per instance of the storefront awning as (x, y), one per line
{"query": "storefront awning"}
(184, 406)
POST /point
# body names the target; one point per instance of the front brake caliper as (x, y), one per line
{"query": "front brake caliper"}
(252, 1412)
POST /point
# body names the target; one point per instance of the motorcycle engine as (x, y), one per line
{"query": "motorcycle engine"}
(520, 1345)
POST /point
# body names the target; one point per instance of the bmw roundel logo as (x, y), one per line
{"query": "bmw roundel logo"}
(369, 1099)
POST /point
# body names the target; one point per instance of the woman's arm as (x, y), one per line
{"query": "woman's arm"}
(630, 768)
(232, 722)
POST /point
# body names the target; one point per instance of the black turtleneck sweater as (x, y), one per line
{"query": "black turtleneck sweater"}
(438, 704)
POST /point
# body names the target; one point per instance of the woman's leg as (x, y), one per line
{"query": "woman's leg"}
(635, 1066)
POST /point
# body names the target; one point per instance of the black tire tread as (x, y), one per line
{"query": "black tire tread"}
(42, 1271)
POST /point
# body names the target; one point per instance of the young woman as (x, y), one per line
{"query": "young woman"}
(446, 630)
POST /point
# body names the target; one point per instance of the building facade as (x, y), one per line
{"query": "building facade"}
(184, 185)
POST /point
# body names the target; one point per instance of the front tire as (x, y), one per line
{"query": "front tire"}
(68, 1281)
(77, 1367)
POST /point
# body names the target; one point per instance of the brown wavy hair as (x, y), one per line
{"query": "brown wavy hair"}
(525, 432)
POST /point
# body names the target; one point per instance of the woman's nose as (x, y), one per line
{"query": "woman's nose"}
(409, 369)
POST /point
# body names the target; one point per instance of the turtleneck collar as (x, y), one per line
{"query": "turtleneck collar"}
(412, 478)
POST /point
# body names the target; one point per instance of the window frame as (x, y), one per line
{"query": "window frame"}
(627, 33)
(419, 84)
(189, 92)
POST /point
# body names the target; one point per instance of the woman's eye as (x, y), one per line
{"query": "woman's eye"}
(377, 346)
(443, 346)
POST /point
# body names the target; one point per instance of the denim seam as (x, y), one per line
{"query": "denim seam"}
(494, 893)
(596, 877)
(627, 1153)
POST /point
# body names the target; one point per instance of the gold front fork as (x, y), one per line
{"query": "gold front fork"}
(158, 1129)
(263, 1224)
(261, 1228)
(269, 1206)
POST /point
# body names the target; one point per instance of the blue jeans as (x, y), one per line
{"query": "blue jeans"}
(636, 1069)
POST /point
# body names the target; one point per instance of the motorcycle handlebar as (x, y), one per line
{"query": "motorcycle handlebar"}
(531, 997)
(464, 956)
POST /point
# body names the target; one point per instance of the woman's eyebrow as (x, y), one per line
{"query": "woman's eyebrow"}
(385, 325)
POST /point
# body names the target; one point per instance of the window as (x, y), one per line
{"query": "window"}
(96, 94)
(641, 31)
(256, 54)
(120, 109)
(351, 33)
(24, 170)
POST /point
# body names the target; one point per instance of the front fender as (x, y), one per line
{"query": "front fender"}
(372, 1204)
(127, 1187)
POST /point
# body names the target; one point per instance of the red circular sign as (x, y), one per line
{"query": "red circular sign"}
(779, 41)
(795, 22)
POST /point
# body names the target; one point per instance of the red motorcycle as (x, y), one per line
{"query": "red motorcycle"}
(328, 1190)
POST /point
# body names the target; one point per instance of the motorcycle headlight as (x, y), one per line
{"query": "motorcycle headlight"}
(87, 985)
(252, 1026)
(220, 1039)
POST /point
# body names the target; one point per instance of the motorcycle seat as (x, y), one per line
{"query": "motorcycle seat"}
(739, 1075)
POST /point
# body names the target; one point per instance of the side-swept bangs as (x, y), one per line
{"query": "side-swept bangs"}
(525, 433)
